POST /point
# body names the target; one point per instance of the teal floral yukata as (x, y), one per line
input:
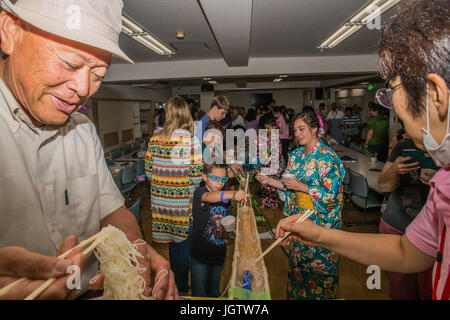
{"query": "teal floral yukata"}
(313, 271)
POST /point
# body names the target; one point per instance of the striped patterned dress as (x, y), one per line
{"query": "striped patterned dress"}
(174, 167)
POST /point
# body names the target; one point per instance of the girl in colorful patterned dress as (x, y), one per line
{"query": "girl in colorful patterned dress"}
(317, 185)
(173, 164)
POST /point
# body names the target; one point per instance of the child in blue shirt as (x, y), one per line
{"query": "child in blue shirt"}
(208, 247)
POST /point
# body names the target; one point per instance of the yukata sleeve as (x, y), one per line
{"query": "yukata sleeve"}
(288, 197)
(325, 193)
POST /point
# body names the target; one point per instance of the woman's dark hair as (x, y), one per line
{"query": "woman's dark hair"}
(374, 106)
(349, 109)
(309, 117)
(161, 118)
(308, 108)
(251, 115)
(415, 43)
(280, 110)
(270, 121)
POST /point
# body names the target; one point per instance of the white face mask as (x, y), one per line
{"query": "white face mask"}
(439, 153)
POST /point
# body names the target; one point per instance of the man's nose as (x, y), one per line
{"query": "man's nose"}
(80, 83)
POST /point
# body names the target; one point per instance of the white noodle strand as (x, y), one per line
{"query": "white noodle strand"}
(118, 259)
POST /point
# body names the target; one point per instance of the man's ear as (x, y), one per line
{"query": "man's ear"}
(438, 94)
(9, 28)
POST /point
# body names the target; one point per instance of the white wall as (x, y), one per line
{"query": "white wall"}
(349, 97)
(205, 100)
(115, 116)
(216, 68)
(132, 93)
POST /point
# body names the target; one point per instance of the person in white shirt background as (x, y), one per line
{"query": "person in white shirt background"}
(334, 119)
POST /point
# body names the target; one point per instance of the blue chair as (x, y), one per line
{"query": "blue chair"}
(142, 179)
(346, 184)
(118, 180)
(361, 196)
(347, 181)
(128, 148)
(115, 154)
(128, 180)
(140, 170)
(135, 208)
(136, 146)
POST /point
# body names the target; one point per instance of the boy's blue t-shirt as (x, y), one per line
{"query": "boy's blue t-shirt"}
(201, 131)
(207, 239)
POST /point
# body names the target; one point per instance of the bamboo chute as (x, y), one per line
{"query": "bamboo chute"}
(247, 248)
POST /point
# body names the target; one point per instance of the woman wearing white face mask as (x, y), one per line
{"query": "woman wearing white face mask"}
(414, 58)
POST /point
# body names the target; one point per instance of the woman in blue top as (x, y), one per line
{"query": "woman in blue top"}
(316, 184)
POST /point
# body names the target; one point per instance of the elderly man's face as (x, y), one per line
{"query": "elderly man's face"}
(52, 77)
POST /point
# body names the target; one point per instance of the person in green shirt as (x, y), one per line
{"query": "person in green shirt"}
(377, 137)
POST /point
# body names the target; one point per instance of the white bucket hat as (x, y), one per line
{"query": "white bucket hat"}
(96, 23)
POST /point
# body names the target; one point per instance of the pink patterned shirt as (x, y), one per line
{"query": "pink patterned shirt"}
(426, 229)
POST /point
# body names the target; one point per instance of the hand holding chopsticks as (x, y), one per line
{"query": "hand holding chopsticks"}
(27, 266)
(246, 190)
(303, 217)
(49, 282)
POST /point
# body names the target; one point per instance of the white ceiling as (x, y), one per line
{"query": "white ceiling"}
(244, 39)
(279, 28)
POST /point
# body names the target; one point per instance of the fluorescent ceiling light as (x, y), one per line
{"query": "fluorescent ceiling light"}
(277, 80)
(133, 30)
(360, 19)
(283, 76)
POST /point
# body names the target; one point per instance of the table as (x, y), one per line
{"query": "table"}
(117, 167)
(129, 157)
(362, 166)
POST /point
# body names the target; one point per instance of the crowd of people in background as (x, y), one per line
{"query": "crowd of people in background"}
(304, 140)
(58, 151)
(341, 124)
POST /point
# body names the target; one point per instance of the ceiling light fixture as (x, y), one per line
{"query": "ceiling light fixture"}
(277, 80)
(212, 82)
(358, 21)
(131, 29)
(283, 76)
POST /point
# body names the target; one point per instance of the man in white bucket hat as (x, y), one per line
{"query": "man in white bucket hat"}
(56, 187)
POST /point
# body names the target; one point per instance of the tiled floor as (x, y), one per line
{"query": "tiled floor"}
(353, 276)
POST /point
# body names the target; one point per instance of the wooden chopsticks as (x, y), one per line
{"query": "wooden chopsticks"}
(304, 216)
(46, 284)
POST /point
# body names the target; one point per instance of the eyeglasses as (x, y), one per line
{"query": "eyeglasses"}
(384, 96)
(217, 178)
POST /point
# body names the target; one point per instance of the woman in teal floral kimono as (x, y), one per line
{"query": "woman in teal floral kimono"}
(317, 183)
